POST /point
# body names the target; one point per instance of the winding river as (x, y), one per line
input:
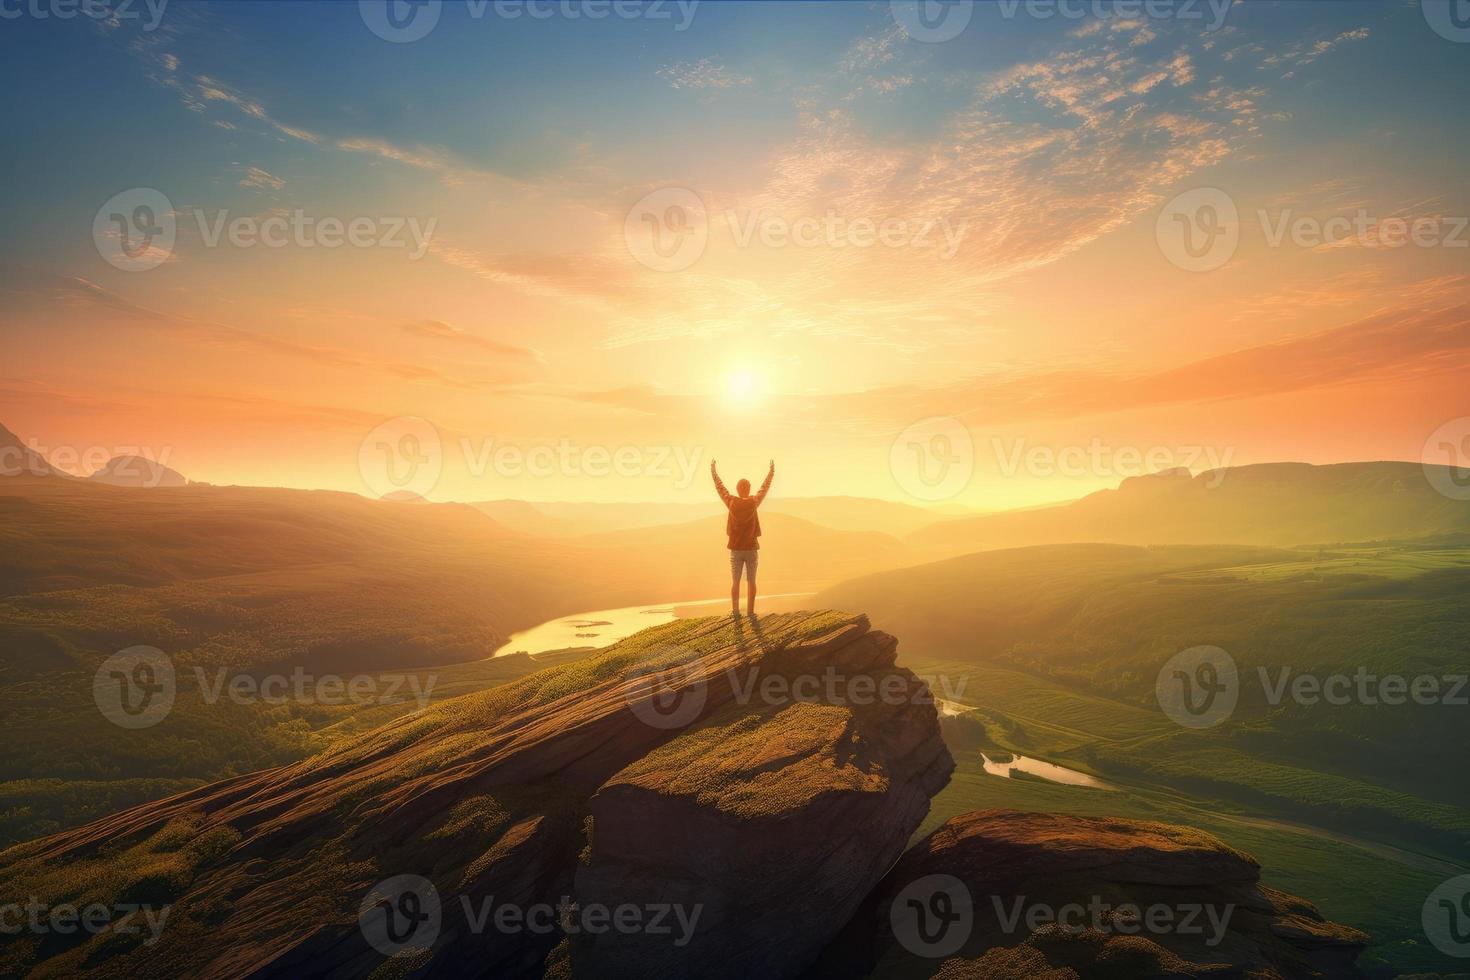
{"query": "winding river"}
(604, 627)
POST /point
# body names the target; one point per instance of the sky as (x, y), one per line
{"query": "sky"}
(983, 256)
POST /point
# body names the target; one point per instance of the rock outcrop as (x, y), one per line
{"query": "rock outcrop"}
(709, 798)
(744, 784)
(1001, 894)
(774, 816)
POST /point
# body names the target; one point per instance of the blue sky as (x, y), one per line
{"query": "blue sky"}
(1052, 143)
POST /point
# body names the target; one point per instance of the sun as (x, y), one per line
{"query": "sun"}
(744, 389)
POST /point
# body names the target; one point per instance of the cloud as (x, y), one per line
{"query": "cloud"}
(205, 90)
(75, 290)
(702, 74)
(439, 330)
(263, 180)
(1041, 160)
(1397, 346)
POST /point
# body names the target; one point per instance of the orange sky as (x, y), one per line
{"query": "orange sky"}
(1027, 293)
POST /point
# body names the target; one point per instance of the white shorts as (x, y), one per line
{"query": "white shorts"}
(748, 559)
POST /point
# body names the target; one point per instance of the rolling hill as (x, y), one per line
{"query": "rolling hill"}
(1275, 504)
(841, 513)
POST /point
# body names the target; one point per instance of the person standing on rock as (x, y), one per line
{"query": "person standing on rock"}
(743, 530)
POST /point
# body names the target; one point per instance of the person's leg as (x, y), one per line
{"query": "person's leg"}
(750, 564)
(734, 583)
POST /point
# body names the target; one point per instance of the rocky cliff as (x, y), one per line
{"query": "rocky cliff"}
(1004, 895)
(710, 798)
(706, 798)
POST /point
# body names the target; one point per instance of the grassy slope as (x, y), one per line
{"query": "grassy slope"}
(320, 819)
(240, 580)
(1058, 648)
(262, 581)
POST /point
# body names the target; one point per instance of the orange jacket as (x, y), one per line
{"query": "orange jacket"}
(743, 525)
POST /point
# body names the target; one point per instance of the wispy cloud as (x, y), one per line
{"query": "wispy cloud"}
(260, 179)
(439, 330)
(75, 291)
(702, 74)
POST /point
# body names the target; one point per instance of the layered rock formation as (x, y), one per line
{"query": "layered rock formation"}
(1001, 894)
(746, 783)
(710, 798)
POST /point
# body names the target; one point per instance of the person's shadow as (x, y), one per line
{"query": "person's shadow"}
(757, 633)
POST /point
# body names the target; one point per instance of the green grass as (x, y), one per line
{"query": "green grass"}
(1359, 808)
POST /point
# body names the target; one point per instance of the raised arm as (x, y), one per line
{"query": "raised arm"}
(719, 486)
(765, 487)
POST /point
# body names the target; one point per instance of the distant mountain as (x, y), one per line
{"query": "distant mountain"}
(561, 519)
(688, 561)
(1277, 504)
(138, 471)
(18, 459)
